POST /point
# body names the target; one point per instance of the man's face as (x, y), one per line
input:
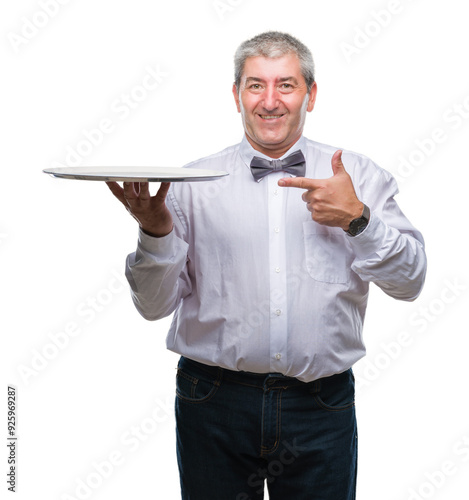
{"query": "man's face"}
(273, 101)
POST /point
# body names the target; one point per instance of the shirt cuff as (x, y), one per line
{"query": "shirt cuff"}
(156, 245)
(371, 240)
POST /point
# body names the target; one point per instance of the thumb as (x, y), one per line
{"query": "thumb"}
(337, 165)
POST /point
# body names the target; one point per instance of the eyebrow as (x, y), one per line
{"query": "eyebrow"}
(250, 79)
(288, 79)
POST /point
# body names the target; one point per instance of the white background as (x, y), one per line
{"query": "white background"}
(383, 86)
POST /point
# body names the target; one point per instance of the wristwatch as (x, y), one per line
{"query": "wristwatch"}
(357, 226)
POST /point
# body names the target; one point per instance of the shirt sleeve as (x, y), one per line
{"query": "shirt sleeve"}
(157, 271)
(390, 252)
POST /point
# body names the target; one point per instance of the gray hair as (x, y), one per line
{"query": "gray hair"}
(274, 44)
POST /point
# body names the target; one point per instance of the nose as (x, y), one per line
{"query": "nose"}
(271, 97)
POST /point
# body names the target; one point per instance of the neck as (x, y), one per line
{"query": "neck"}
(275, 151)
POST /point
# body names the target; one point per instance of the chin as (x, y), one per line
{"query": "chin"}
(271, 140)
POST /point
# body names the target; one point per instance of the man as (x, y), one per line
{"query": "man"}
(269, 287)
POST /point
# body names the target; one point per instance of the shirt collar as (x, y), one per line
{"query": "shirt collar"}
(247, 152)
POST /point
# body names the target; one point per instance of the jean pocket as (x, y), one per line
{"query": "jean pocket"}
(326, 253)
(337, 393)
(195, 389)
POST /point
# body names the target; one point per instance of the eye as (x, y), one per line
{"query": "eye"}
(255, 88)
(286, 87)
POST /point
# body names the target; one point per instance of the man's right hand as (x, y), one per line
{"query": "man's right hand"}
(149, 211)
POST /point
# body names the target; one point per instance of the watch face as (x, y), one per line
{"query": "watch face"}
(357, 226)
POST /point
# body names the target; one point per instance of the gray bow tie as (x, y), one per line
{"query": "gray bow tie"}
(293, 164)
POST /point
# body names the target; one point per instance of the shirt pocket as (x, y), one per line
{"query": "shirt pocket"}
(326, 252)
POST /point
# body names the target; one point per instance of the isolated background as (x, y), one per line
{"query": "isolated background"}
(63, 243)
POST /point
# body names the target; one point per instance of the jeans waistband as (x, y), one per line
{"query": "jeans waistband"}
(259, 379)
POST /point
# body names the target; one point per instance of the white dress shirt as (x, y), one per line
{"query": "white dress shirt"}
(255, 284)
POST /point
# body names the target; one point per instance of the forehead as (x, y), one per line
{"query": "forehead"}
(268, 68)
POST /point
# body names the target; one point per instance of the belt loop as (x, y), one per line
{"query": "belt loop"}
(315, 386)
(219, 376)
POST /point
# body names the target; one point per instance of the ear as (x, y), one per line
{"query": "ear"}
(312, 97)
(236, 97)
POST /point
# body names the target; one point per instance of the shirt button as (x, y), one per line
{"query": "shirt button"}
(276, 192)
(278, 312)
(278, 356)
(277, 269)
(277, 229)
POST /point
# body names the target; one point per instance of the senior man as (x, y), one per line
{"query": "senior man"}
(269, 287)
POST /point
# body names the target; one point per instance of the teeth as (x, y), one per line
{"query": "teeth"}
(270, 117)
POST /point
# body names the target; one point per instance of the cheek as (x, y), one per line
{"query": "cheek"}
(298, 108)
(248, 103)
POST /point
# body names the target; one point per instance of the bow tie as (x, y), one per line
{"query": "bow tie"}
(293, 164)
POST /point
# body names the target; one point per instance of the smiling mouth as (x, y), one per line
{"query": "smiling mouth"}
(270, 117)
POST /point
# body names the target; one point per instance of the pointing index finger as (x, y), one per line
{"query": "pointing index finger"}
(298, 182)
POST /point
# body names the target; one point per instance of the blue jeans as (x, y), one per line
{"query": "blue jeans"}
(237, 431)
